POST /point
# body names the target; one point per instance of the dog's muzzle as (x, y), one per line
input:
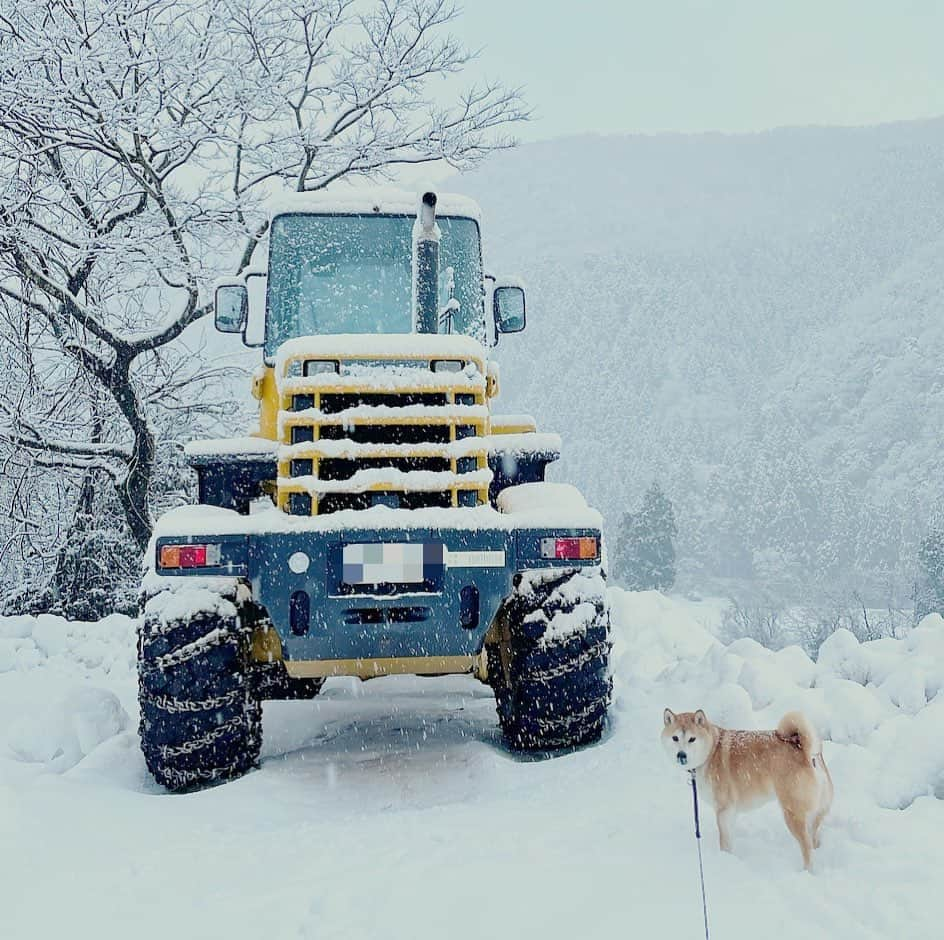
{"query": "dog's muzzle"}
(682, 758)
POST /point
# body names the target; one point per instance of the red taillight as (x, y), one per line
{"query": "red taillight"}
(193, 556)
(190, 556)
(569, 548)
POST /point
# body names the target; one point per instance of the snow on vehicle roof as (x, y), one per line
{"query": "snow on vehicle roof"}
(378, 200)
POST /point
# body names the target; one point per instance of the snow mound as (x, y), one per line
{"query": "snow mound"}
(76, 647)
(883, 695)
(70, 729)
(843, 656)
(16, 628)
(400, 761)
(654, 633)
(910, 758)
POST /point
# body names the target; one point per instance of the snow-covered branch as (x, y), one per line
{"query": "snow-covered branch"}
(139, 143)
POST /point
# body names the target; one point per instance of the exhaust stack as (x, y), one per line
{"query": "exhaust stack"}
(426, 267)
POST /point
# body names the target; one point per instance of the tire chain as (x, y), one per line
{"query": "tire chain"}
(565, 721)
(182, 778)
(176, 705)
(178, 778)
(197, 744)
(573, 665)
(216, 637)
(153, 626)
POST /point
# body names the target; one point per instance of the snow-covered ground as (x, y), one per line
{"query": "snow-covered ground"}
(391, 809)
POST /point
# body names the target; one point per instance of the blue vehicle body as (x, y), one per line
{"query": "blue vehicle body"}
(320, 617)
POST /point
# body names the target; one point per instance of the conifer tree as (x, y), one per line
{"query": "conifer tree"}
(646, 548)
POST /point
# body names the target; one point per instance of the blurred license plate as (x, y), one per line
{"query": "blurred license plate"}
(389, 563)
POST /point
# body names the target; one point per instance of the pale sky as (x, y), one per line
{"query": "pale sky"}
(625, 66)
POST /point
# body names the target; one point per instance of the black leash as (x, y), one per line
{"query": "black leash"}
(701, 869)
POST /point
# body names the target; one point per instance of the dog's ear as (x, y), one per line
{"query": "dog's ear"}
(701, 718)
(668, 716)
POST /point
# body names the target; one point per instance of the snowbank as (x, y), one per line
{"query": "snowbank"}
(402, 772)
(69, 729)
(884, 699)
(59, 713)
(78, 648)
(652, 633)
(884, 696)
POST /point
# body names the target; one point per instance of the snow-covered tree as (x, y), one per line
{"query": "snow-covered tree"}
(645, 549)
(139, 140)
(929, 583)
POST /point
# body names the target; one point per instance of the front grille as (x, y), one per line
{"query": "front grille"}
(333, 402)
(351, 449)
(301, 434)
(302, 468)
(386, 433)
(344, 469)
(335, 502)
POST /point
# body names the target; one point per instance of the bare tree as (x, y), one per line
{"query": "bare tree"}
(138, 141)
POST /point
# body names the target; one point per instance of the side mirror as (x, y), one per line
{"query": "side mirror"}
(254, 327)
(231, 305)
(509, 308)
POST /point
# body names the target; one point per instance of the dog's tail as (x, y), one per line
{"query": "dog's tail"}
(795, 729)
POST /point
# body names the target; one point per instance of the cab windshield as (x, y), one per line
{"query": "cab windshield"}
(354, 274)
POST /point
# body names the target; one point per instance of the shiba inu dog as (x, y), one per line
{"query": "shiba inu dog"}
(740, 770)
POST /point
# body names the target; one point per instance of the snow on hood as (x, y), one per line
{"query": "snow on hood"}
(379, 346)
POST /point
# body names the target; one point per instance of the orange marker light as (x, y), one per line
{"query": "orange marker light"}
(588, 548)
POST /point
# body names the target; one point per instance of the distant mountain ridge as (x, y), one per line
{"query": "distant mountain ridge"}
(755, 320)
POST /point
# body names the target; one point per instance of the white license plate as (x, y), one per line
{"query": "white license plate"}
(388, 563)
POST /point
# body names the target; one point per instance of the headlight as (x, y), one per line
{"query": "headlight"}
(447, 365)
(321, 366)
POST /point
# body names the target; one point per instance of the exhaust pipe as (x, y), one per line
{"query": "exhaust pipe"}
(426, 267)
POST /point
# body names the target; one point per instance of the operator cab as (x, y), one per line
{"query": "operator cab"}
(373, 264)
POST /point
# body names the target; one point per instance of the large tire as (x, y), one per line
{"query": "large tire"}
(201, 719)
(550, 670)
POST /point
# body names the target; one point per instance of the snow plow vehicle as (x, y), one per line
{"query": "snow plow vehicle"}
(381, 520)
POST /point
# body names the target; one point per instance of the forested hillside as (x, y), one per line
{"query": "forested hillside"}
(754, 321)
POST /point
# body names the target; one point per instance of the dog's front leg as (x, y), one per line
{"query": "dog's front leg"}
(725, 816)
